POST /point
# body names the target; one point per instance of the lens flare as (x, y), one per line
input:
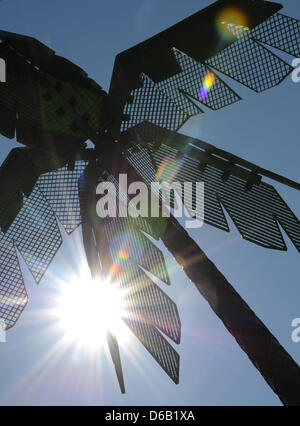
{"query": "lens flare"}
(115, 269)
(123, 255)
(207, 84)
(231, 15)
(167, 168)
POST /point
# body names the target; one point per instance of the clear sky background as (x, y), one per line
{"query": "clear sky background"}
(263, 128)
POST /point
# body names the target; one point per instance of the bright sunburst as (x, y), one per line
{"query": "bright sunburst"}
(87, 309)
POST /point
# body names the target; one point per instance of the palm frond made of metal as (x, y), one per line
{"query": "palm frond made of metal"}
(160, 80)
(48, 104)
(43, 93)
(236, 185)
(128, 257)
(35, 234)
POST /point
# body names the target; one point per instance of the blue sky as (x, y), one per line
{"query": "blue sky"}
(263, 128)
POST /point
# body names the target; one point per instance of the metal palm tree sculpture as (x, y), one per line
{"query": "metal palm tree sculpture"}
(52, 107)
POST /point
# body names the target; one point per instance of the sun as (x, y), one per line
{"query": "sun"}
(88, 308)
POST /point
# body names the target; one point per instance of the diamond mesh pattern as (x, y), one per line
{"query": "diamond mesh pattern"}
(139, 248)
(61, 190)
(245, 60)
(124, 235)
(280, 31)
(158, 347)
(142, 223)
(254, 212)
(139, 157)
(237, 30)
(171, 88)
(35, 94)
(251, 64)
(13, 296)
(146, 302)
(87, 103)
(36, 234)
(146, 306)
(143, 299)
(191, 80)
(150, 104)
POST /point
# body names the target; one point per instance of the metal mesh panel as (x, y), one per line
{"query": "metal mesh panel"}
(36, 234)
(191, 81)
(150, 104)
(36, 94)
(237, 30)
(171, 88)
(254, 212)
(13, 296)
(158, 347)
(280, 31)
(139, 157)
(139, 222)
(139, 248)
(123, 251)
(86, 103)
(251, 64)
(144, 301)
(167, 170)
(61, 190)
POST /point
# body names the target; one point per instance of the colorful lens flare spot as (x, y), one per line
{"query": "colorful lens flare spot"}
(231, 15)
(166, 167)
(123, 255)
(207, 84)
(115, 269)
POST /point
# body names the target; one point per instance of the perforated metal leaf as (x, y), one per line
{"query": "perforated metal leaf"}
(146, 306)
(144, 163)
(157, 345)
(280, 31)
(60, 188)
(201, 45)
(149, 103)
(125, 238)
(254, 212)
(256, 209)
(13, 296)
(36, 234)
(191, 81)
(42, 95)
(143, 299)
(251, 64)
(115, 246)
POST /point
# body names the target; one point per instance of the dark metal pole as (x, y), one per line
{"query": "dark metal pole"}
(276, 366)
